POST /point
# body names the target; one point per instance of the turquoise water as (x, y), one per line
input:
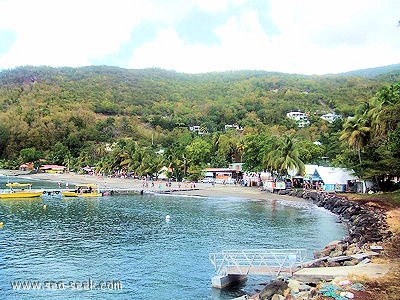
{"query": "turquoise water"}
(127, 239)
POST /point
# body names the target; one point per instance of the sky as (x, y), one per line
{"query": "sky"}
(197, 36)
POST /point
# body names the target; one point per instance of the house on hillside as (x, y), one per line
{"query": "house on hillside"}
(300, 118)
(330, 117)
(233, 126)
(196, 128)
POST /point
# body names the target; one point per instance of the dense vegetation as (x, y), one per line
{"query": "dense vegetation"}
(119, 120)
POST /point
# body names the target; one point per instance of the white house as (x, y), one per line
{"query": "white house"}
(233, 126)
(330, 117)
(300, 117)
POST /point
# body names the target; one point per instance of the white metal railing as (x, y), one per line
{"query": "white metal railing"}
(258, 261)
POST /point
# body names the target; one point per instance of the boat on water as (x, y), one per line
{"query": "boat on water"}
(19, 190)
(83, 190)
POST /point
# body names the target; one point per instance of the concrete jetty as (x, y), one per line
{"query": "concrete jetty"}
(371, 270)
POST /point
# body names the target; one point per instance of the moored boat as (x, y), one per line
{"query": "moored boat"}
(83, 190)
(19, 190)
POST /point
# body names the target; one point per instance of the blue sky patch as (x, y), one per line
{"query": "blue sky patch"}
(6, 40)
(141, 34)
(198, 27)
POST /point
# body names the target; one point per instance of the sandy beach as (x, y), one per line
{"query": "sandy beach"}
(201, 189)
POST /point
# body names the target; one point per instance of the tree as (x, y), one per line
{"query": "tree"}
(30, 154)
(284, 157)
(356, 132)
(198, 152)
(255, 148)
(309, 152)
(4, 136)
(58, 153)
(385, 110)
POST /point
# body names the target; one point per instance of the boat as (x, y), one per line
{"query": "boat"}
(83, 190)
(19, 190)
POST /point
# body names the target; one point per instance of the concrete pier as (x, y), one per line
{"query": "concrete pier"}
(371, 270)
(224, 281)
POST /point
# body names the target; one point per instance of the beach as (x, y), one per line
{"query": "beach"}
(184, 188)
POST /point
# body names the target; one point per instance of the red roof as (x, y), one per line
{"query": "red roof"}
(51, 167)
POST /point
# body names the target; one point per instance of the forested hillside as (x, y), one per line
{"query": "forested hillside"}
(84, 114)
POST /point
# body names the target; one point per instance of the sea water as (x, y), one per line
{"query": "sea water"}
(124, 247)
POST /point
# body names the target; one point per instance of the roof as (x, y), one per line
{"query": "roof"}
(331, 175)
(219, 170)
(52, 167)
(310, 169)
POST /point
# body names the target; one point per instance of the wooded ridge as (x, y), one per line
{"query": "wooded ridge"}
(84, 109)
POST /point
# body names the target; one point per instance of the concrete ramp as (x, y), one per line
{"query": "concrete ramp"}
(371, 270)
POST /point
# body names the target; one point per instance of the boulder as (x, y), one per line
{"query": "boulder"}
(277, 297)
(272, 288)
(336, 253)
(294, 285)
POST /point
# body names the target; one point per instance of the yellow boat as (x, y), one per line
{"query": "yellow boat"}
(19, 190)
(83, 190)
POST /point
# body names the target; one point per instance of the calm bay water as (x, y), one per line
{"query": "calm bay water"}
(127, 238)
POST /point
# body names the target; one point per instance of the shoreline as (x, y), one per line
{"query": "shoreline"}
(201, 189)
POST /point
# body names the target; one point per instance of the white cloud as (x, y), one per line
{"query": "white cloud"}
(67, 33)
(312, 38)
(214, 6)
(335, 36)
(309, 36)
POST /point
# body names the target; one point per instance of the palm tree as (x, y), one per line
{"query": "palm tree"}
(356, 132)
(284, 157)
(385, 111)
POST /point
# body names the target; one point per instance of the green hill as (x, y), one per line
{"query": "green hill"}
(40, 106)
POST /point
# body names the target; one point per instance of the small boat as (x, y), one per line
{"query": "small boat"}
(83, 190)
(19, 190)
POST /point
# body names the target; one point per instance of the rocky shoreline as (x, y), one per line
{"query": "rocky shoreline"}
(367, 228)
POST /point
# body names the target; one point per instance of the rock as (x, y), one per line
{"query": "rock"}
(348, 295)
(316, 262)
(348, 263)
(294, 285)
(274, 287)
(336, 253)
(351, 251)
(304, 287)
(277, 297)
(302, 296)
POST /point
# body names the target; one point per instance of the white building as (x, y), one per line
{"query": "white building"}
(300, 118)
(330, 117)
(233, 126)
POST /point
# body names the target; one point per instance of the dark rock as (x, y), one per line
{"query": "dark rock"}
(274, 287)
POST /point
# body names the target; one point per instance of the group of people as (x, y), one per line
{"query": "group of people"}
(168, 184)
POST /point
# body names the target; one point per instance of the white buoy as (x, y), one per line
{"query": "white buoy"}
(167, 218)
